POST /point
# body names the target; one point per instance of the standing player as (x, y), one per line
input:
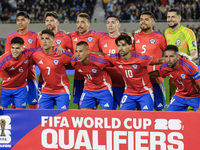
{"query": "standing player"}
(133, 68)
(180, 36)
(107, 45)
(151, 43)
(64, 40)
(56, 83)
(89, 36)
(30, 41)
(186, 76)
(97, 85)
(13, 74)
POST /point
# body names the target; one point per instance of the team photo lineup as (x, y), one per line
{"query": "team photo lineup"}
(114, 70)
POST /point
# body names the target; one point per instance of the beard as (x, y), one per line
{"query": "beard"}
(173, 26)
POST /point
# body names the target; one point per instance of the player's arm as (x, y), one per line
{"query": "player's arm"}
(7, 45)
(1, 82)
(160, 60)
(193, 54)
(154, 74)
(98, 53)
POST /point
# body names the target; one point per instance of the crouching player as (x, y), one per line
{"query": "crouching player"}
(186, 76)
(13, 74)
(97, 87)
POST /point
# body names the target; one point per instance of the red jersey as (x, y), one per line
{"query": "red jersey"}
(14, 72)
(96, 78)
(30, 41)
(152, 44)
(185, 78)
(63, 39)
(53, 71)
(134, 72)
(92, 38)
(107, 45)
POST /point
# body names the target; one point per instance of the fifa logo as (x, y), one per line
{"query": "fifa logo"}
(3, 124)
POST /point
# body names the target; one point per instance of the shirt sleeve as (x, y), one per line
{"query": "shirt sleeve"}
(8, 45)
(191, 39)
(111, 58)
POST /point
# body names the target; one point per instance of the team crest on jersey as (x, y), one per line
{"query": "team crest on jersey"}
(152, 41)
(26, 61)
(194, 44)
(178, 42)
(90, 39)
(135, 66)
(94, 70)
(58, 41)
(56, 62)
(30, 41)
(183, 76)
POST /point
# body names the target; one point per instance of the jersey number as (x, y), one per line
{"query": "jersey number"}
(48, 68)
(144, 49)
(89, 76)
(112, 51)
(129, 73)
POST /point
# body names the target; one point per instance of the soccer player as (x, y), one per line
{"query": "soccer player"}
(92, 38)
(56, 83)
(30, 41)
(97, 85)
(180, 36)
(13, 74)
(152, 43)
(133, 68)
(64, 40)
(186, 76)
(107, 45)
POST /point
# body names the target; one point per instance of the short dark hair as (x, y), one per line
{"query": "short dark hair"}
(113, 16)
(47, 31)
(175, 10)
(17, 40)
(149, 13)
(52, 14)
(84, 15)
(82, 43)
(125, 38)
(23, 13)
(171, 48)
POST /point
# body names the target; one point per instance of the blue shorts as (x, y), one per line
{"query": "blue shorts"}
(47, 101)
(129, 102)
(159, 97)
(32, 92)
(16, 96)
(90, 98)
(181, 104)
(117, 95)
(78, 90)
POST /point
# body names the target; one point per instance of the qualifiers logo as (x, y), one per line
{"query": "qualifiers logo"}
(56, 62)
(26, 61)
(5, 134)
(183, 76)
(30, 41)
(94, 70)
(152, 41)
(194, 44)
(90, 39)
(58, 41)
(135, 66)
(178, 42)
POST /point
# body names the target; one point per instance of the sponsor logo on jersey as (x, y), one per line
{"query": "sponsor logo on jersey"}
(94, 70)
(90, 39)
(170, 76)
(64, 107)
(30, 41)
(12, 68)
(152, 41)
(135, 66)
(56, 62)
(26, 61)
(40, 62)
(58, 41)
(105, 45)
(145, 107)
(183, 76)
(106, 105)
(80, 70)
(194, 44)
(75, 39)
(120, 66)
(138, 41)
(178, 42)
(160, 105)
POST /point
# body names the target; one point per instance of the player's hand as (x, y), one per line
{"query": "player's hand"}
(63, 32)
(59, 49)
(39, 35)
(138, 31)
(1, 108)
(185, 56)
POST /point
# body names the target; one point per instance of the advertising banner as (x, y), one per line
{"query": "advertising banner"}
(98, 130)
